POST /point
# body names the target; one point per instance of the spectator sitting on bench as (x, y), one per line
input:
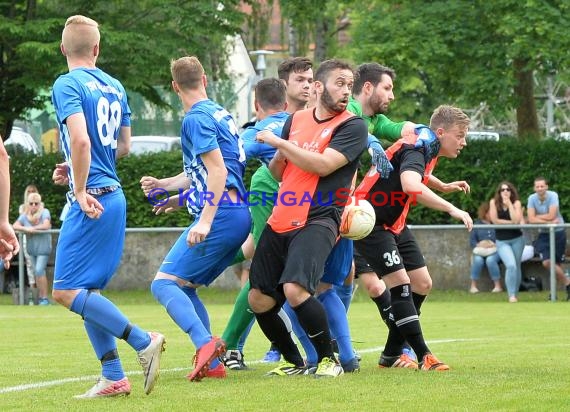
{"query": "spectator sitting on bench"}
(543, 207)
(482, 243)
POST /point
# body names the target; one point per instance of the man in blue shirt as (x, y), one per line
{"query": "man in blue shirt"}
(543, 207)
(214, 163)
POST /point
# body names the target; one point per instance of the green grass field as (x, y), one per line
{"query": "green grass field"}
(504, 357)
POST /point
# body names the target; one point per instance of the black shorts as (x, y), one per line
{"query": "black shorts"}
(386, 252)
(542, 246)
(297, 256)
(360, 265)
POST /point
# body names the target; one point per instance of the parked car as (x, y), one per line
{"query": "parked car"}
(21, 140)
(480, 135)
(153, 144)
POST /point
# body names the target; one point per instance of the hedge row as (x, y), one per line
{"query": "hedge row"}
(483, 164)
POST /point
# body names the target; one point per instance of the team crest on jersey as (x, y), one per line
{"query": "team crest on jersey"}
(325, 133)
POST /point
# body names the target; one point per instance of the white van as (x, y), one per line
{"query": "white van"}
(153, 144)
(478, 135)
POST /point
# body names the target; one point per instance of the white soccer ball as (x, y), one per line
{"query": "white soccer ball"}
(357, 220)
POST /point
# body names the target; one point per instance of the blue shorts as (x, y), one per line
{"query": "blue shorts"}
(339, 262)
(204, 262)
(542, 246)
(89, 250)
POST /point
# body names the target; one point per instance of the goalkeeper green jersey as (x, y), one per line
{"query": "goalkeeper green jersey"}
(378, 125)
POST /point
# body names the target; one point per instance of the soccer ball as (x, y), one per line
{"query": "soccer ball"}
(357, 220)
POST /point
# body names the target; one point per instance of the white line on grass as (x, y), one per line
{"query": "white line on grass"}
(30, 386)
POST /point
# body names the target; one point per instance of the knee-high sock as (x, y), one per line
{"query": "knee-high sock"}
(287, 322)
(241, 317)
(105, 346)
(407, 320)
(344, 292)
(310, 352)
(383, 303)
(199, 307)
(275, 329)
(101, 312)
(180, 308)
(202, 313)
(338, 323)
(395, 340)
(418, 301)
(313, 319)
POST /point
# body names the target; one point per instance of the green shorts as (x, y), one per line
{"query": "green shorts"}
(263, 189)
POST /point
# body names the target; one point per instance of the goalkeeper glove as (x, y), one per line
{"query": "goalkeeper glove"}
(379, 158)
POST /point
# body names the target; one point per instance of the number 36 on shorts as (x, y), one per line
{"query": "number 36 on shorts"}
(391, 258)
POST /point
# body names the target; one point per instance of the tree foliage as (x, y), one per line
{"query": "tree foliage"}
(137, 43)
(258, 22)
(465, 52)
(317, 22)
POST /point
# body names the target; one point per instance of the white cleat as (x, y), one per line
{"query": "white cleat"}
(107, 388)
(149, 359)
(328, 368)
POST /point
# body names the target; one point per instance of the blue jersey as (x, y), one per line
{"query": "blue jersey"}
(103, 102)
(206, 127)
(262, 151)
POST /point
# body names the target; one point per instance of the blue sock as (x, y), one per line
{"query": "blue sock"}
(181, 310)
(202, 313)
(103, 313)
(338, 323)
(113, 369)
(244, 335)
(199, 307)
(344, 292)
(310, 352)
(104, 343)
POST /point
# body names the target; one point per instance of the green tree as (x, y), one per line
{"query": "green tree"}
(315, 21)
(258, 21)
(465, 52)
(138, 42)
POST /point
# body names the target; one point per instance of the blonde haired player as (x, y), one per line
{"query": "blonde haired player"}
(94, 124)
(391, 249)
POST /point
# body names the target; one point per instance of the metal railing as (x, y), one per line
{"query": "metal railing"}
(551, 236)
(551, 232)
